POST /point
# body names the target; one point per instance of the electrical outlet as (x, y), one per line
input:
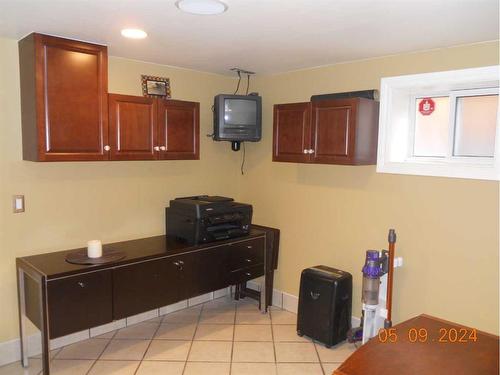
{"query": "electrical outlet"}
(18, 203)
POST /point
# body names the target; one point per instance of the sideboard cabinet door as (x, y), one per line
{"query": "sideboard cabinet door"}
(79, 302)
(210, 271)
(149, 285)
(64, 106)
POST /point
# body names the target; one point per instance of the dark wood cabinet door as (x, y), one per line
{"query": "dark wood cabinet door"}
(210, 271)
(79, 302)
(179, 129)
(333, 130)
(292, 132)
(132, 127)
(145, 286)
(64, 99)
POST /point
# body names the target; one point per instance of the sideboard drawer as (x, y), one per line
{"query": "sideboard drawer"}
(79, 302)
(245, 274)
(246, 254)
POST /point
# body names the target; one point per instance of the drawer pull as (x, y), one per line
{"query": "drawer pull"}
(248, 260)
(179, 264)
(249, 247)
(248, 274)
(82, 285)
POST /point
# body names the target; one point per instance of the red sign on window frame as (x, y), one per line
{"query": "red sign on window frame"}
(426, 106)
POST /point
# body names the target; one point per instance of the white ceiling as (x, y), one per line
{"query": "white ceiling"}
(266, 36)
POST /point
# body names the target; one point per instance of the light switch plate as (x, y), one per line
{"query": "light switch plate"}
(18, 203)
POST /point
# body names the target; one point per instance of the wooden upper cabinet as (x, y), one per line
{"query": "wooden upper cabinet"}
(337, 131)
(152, 129)
(132, 127)
(178, 129)
(292, 132)
(63, 99)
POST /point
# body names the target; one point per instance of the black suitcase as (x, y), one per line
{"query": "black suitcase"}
(325, 304)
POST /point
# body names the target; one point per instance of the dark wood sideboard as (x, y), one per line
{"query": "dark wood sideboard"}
(62, 298)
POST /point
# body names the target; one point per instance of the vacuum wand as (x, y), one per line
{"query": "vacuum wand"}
(376, 291)
(390, 277)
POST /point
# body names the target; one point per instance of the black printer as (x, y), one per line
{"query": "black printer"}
(206, 218)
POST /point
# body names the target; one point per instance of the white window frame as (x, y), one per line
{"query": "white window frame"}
(397, 123)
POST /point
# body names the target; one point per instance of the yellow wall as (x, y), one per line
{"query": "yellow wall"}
(447, 228)
(70, 203)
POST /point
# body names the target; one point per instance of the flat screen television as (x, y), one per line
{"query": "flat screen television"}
(237, 118)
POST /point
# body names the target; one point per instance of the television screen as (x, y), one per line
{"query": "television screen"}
(240, 112)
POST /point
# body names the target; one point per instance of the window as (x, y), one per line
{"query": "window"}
(431, 130)
(441, 124)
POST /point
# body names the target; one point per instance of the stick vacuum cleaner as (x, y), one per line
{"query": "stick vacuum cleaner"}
(377, 291)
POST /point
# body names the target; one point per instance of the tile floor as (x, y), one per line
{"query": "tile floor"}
(220, 337)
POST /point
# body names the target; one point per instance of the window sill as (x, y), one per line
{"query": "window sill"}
(478, 171)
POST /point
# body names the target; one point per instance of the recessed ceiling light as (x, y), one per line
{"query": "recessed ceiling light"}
(134, 33)
(203, 7)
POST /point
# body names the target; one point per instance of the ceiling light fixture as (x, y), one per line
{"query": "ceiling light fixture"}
(202, 7)
(134, 33)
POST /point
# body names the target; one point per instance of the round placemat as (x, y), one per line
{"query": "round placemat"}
(80, 257)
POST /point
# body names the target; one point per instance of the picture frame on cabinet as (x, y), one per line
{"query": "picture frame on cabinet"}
(155, 87)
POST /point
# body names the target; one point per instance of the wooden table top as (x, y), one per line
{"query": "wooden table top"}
(54, 264)
(426, 345)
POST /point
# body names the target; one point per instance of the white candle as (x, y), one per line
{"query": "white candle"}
(94, 249)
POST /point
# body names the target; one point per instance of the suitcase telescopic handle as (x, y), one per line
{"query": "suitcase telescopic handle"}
(314, 296)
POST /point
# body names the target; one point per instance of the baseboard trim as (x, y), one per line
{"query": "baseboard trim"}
(290, 302)
(10, 351)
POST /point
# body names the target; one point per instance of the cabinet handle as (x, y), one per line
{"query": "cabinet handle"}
(107, 148)
(311, 151)
(314, 296)
(82, 285)
(306, 151)
(248, 260)
(156, 148)
(163, 148)
(181, 262)
(176, 263)
(248, 274)
(249, 247)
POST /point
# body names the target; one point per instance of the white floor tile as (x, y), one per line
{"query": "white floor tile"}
(114, 368)
(198, 340)
(88, 349)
